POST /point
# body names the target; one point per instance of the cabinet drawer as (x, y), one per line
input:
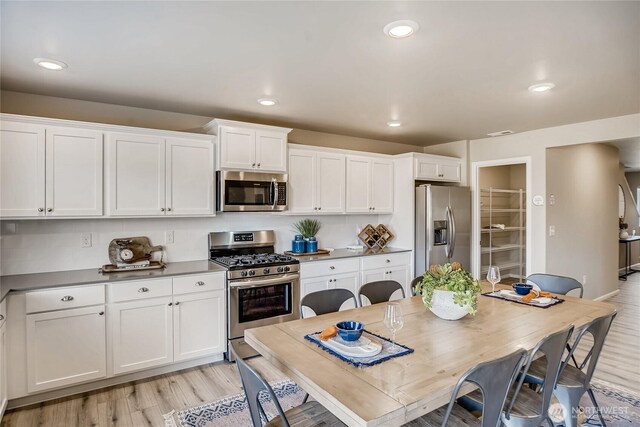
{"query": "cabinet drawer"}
(139, 289)
(59, 299)
(323, 268)
(3, 314)
(385, 260)
(198, 283)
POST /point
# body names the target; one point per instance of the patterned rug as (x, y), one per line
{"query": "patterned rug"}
(621, 408)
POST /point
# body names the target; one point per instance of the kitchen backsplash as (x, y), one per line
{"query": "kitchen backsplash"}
(36, 246)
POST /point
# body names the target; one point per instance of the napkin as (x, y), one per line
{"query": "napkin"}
(535, 294)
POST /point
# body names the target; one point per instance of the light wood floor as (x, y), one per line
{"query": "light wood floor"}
(142, 403)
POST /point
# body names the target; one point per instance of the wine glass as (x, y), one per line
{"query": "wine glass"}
(393, 320)
(493, 277)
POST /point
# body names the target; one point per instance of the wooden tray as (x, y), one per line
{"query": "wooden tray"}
(319, 252)
(110, 268)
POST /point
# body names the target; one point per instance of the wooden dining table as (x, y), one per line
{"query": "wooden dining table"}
(404, 388)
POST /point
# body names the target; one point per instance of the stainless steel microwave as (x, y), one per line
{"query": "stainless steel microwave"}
(240, 191)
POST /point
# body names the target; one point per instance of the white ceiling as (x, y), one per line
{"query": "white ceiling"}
(464, 74)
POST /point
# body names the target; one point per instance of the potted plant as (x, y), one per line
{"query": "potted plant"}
(449, 291)
(309, 228)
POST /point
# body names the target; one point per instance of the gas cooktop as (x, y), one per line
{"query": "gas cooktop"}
(235, 262)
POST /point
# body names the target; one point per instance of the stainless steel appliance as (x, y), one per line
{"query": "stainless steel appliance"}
(263, 287)
(240, 191)
(443, 226)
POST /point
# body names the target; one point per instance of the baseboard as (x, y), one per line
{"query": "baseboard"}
(107, 382)
(623, 269)
(607, 296)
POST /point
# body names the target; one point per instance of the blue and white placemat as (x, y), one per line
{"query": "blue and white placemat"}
(387, 351)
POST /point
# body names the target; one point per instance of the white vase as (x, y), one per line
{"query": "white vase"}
(442, 305)
(624, 234)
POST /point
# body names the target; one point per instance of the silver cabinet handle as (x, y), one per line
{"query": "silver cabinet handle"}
(49, 209)
(253, 165)
(177, 302)
(101, 313)
(161, 209)
(40, 209)
(170, 304)
(1, 317)
(169, 209)
(388, 261)
(332, 267)
(258, 164)
(320, 208)
(141, 290)
(66, 298)
(199, 283)
(373, 208)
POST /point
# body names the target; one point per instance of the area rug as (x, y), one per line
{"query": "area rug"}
(621, 408)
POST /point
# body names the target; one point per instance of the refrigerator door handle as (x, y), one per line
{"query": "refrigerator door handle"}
(451, 244)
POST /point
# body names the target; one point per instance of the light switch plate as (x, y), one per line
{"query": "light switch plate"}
(552, 230)
(169, 237)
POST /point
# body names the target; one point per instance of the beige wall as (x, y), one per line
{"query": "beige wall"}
(584, 180)
(74, 109)
(510, 177)
(533, 144)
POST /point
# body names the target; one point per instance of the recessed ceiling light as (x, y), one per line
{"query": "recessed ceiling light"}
(541, 87)
(267, 102)
(500, 133)
(50, 64)
(394, 123)
(401, 29)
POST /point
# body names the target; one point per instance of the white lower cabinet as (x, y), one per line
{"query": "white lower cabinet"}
(65, 347)
(198, 325)
(141, 334)
(398, 273)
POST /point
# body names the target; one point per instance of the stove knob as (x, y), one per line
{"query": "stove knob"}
(280, 269)
(287, 268)
(252, 273)
(265, 271)
(243, 274)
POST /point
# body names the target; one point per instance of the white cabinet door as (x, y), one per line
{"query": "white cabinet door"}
(199, 325)
(141, 334)
(313, 285)
(189, 177)
(449, 171)
(65, 347)
(358, 184)
(3, 368)
(401, 275)
(330, 182)
(373, 275)
(426, 168)
(136, 166)
(382, 185)
(302, 181)
(271, 151)
(74, 172)
(237, 148)
(22, 169)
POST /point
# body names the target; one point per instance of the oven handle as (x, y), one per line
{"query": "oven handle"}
(254, 283)
(274, 186)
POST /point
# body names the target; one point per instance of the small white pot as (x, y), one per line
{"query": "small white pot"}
(442, 305)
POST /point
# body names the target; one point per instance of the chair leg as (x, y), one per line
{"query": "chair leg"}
(595, 403)
(306, 397)
(569, 398)
(550, 421)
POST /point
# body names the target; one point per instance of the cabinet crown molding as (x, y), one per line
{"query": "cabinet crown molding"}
(46, 121)
(213, 125)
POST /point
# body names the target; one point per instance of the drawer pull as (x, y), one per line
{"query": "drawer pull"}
(199, 283)
(101, 313)
(141, 290)
(170, 304)
(177, 302)
(66, 298)
(1, 317)
(332, 267)
(388, 261)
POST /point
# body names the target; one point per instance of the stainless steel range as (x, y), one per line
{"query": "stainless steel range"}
(263, 287)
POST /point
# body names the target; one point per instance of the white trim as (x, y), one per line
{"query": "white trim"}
(607, 296)
(623, 269)
(49, 122)
(475, 209)
(213, 126)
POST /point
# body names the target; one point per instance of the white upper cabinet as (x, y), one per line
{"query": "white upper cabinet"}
(249, 146)
(50, 171)
(437, 168)
(316, 182)
(154, 176)
(136, 174)
(369, 185)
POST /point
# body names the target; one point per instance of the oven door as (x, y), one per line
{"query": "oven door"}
(251, 191)
(261, 302)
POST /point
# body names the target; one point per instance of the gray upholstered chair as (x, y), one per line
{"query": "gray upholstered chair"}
(573, 382)
(380, 291)
(555, 284)
(308, 414)
(326, 301)
(525, 407)
(494, 378)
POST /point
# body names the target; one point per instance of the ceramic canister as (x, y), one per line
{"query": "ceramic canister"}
(298, 244)
(312, 245)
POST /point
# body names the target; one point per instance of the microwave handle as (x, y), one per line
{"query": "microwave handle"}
(274, 191)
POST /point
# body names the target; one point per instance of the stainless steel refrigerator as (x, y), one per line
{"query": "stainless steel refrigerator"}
(443, 226)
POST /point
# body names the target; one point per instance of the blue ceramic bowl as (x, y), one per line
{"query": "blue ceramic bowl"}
(522, 288)
(350, 330)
